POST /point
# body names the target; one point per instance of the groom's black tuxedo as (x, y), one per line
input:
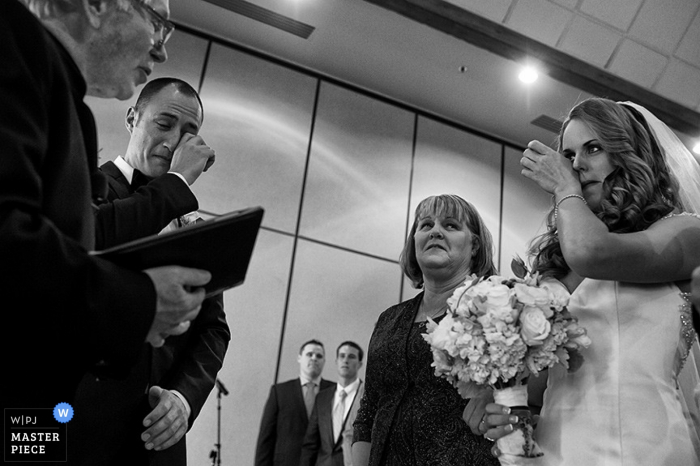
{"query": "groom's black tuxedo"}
(134, 213)
(188, 363)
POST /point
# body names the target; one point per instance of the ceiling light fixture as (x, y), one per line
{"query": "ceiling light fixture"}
(528, 75)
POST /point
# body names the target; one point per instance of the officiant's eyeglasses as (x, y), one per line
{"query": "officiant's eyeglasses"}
(161, 26)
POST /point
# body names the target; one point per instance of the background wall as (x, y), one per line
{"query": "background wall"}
(339, 172)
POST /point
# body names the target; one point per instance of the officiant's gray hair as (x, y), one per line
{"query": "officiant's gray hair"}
(450, 205)
(52, 8)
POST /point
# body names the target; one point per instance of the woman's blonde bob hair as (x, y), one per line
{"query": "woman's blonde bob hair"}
(450, 205)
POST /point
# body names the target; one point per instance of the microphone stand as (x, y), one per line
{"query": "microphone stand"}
(215, 454)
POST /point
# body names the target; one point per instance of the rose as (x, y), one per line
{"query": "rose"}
(498, 296)
(535, 326)
(493, 300)
(531, 295)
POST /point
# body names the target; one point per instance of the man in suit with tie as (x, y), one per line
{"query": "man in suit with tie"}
(328, 440)
(155, 405)
(288, 408)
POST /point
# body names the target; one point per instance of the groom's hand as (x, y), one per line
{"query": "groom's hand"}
(167, 423)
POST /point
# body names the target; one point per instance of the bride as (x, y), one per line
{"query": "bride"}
(623, 238)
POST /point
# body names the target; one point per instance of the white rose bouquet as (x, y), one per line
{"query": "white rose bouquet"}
(499, 331)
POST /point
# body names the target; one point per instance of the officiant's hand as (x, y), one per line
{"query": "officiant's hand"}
(179, 298)
(167, 423)
(191, 157)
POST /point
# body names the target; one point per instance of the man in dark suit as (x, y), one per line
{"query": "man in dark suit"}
(288, 408)
(151, 410)
(328, 440)
(71, 309)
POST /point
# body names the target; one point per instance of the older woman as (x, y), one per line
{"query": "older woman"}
(624, 238)
(408, 416)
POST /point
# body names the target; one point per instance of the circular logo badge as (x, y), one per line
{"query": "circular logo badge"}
(63, 412)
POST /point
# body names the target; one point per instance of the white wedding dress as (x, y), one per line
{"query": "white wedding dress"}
(623, 407)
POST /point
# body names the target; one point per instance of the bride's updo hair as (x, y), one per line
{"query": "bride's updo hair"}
(639, 191)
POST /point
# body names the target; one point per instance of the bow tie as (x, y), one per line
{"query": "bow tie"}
(139, 179)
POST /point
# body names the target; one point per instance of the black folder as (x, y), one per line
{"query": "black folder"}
(222, 245)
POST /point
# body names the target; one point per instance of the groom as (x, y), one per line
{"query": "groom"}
(152, 409)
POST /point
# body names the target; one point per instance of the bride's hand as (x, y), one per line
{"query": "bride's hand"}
(549, 169)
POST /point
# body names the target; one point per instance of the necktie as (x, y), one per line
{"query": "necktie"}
(139, 179)
(339, 414)
(309, 397)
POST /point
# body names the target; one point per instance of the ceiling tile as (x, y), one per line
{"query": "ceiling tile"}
(590, 41)
(567, 3)
(638, 64)
(617, 13)
(528, 17)
(660, 26)
(689, 49)
(680, 83)
(495, 10)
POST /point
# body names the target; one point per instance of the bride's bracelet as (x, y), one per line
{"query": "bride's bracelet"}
(568, 196)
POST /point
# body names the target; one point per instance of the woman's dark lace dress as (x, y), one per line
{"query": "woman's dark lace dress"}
(412, 417)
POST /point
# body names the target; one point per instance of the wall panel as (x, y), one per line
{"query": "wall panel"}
(336, 295)
(359, 172)
(258, 119)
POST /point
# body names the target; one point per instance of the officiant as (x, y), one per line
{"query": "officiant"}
(151, 409)
(408, 415)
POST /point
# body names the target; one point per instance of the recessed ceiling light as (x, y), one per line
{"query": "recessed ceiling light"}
(528, 75)
(696, 148)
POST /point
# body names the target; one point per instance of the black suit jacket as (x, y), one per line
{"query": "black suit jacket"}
(320, 446)
(187, 363)
(131, 215)
(74, 309)
(283, 425)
